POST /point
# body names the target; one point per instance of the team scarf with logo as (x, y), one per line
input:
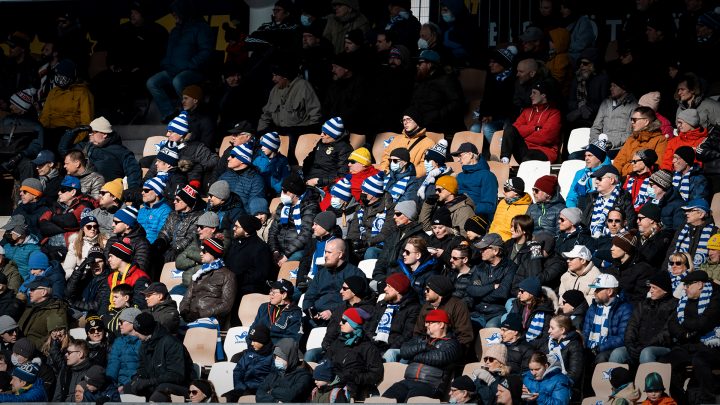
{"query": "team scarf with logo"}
(685, 238)
(601, 208)
(296, 216)
(643, 195)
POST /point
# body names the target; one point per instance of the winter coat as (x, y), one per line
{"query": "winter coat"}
(371, 214)
(91, 183)
(572, 281)
(32, 213)
(504, 213)
(194, 158)
(296, 105)
(177, 232)
(88, 292)
(323, 291)
(10, 269)
(648, 138)
(428, 267)
(489, 301)
(543, 306)
(652, 249)
(152, 218)
(439, 100)
(68, 378)
(497, 101)
(518, 355)
(545, 215)
(109, 393)
(480, 185)
(273, 171)
(139, 243)
(691, 138)
(633, 277)
(284, 238)
(20, 254)
(189, 261)
(190, 45)
(539, 125)
(210, 295)
(392, 250)
(65, 219)
(135, 278)
(671, 214)
(597, 87)
(290, 385)
(367, 304)
(250, 259)
(431, 360)
(202, 124)
(110, 159)
(572, 355)
(358, 366)
(548, 269)
(417, 146)
(166, 314)
(622, 202)
(461, 208)
(104, 218)
(10, 305)
(461, 283)
(252, 368)
(695, 233)
(68, 108)
(403, 322)
(695, 325)
(34, 319)
(124, 359)
(228, 212)
(54, 274)
(708, 152)
(620, 312)
(699, 187)
(163, 359)
(71, 259)
(247, 184)
(577, 190)
(328, 161)
(664, 400)
(36, 393)
(648, 325)
(707, 108)
(286, 324)
(559, 64)
(337, 27)
(411, 189)
(555, 388)
(614, 121)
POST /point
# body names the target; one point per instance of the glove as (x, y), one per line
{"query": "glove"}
(11, 164)
(140, 384)
(483, 375)
(432, 199)
(535, 250)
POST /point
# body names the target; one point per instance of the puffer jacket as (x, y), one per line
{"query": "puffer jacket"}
(392, 250)
(545, 215)
(88, 292)
(252, 368)
(555, 388)
(411, 190)
(20, 254)
(367, 304)
(290, 385)
(489, 301)
(195, 161)
(337, 27)
(164, 359)
(228, 212)
(328, 161)
(68, 108)
(177, 232)
(247, 184)
(110, 159)
(671, 214)
(648, 325)
(166, 314)
(296, 105)
(323, 291)
(548, 269)
(613, 120)
(707, 108)
(211, 294)
(36, 393)
(633, 276)
(65, 219)
(284, 238)
(571, 350)
(32, 213)
(708, 152)
(572, 281)
(691, 138)
(518, 355)
(359, 366)
(419, 277)
(620, 312)
(104, 218)
(431, 359)
(461, 283)
(285, 324)
(461, 208)
(152, 218)
(139, 243)
(539, 125)
(250, 259)
(559, 64)
(124, 359)
(420, 144)
(10, 270)
(273, 171)
(480, 184)
(189, 261)
(506, 212)
(648, 138)
(34, 320)
(54, 274)
(403, 322)
(373, 214)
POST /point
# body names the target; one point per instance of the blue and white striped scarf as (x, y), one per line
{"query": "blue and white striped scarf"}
(398, 189)
(319, 252)
(703, 302)
(536, 326)
(297, 217)
(211, 323)
(681, 182)
(557, 347)
(208, 267)
(377, 224)
(382, 332)
(599, 331)
(643, 195)
(500, 77)
(676, 280)
(701, 251)
(431, 177)
(601, 208)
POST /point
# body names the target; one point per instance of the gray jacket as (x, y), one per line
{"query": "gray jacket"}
(614, 121)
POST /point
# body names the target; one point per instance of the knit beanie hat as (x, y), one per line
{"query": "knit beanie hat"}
(653, 381)
(114, 187)
(209, 219)
(169, 156)
(619, 377)
(38, 261)
(179, 124)
(129, 314)
(249, 223)
(334, 127)
(260, 333)
(651, 100)
(477, 224)
(497, 351)
(94, 321)
(128, 214)
(101, 124)
(96, 252)
(86, 218)
(505, 56)
(358, 285)
(258, 205)
(355, 316)
(690, 116)
(193, 91)
(214, 246)
(437, 315)
(188, 195)
(326, 220)
(663, 179)
(531, 285)
(71, 182)
(220, 189)
(686, 153)
(95, 376)
(323, 371)
(442, 216)
(24, 347)
(399, 282)
(27, 372)
(712, 244)
(243, 153)
(23, 99)
(341, 189)
(33, 186)
(464, 383)
(156, 184)
(407, 208)
(373, 185)
(294, 184)
(627, 241)
(651, 211)
(401, 153)
(123, 251)
(711, 19)
(448, 182)
(144, 324)
(515, 184)
(514, 384)
(648, 156)
(362, 156)
(547, 184)
(437, 152)
(441, 285)
(573, 214)
(661, 279)
(575, 297)
(271, 140)
(598, 149)
(512, 322)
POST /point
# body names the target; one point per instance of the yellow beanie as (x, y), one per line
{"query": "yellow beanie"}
(714, 242)
(114, 187)
(362, 156)
(449, 183)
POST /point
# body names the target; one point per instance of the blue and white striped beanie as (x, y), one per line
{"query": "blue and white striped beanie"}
(334, 127)
(156, 184)
(341, 189)
(271, 140)
(179, 124)
(243, 153)
(373, 185)
(128, 215)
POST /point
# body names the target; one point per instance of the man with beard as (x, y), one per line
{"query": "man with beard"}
(588, 90)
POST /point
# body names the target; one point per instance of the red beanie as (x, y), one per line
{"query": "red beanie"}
(547, 184)
(356, 315)
(399, 282)
(437, 315)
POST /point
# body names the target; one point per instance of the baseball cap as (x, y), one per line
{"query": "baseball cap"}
(491, 239)
(605, 281)
(465, 147)
(578, 251)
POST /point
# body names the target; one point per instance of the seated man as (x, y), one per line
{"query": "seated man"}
(280, 316)
(401, 182)
(90, 181)
(694, 235)
(369, 228)
(189, 260)
(414, 139)
(19, 245)
(406, 227)
(165, 167)
(201, 120)
(324, 230)
(535, 309)
(582, 184)
(176, 233)
(293, 228)
(32, 205)
(42, 307)
(162, 307)
(155, 209)
(461, 207)
(476, 180)
(613, 115)
(225, 204)
(26, 386)
(124, 356)
(288, 381)
(688, 178)
(72, 371)
(120, 258)
(249, 258)
(126, 227)
(121, 298)
(548, 204)
(328, 160)
(242, 178)
(608, 195)
(109, 202)
(439, 295)
(606, 319)
(519, 350)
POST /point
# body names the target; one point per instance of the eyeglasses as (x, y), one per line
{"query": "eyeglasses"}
(95, 330)
(91, 227)
(636, 119)
(488, 359)
(636, 161)
(194, 392)
(397, 214)
(614, 221)
(407, 252)
(69, 352)
(680, 263)
(520, 291)
(103, 192)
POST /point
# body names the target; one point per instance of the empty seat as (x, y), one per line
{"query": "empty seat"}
(489, 336)
(601, 378)
(316, 337)
(379, 146)
(273, 205)
(247, 399)
(305, 144)
(367, 266)
(380, 400)
(422, 400)
(357, 140)
(531, 170)
(170, 276)
(567, 174)
(132, 398)
(393, 372)
(221, 375)
(470, 367)
(593, 401)
(224, 145)
(249, 306)
(149, 148)
(235, 340)
(461, 137)
(435, 136)
(502, 173)
(288, 271)
(201, 344)
(78, 333)
(578, 140)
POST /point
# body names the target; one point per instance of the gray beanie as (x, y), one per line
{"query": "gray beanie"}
(209, 218)
(690, 116)
(220, 189)
(407, 208)
(574, 215)
(326, 220)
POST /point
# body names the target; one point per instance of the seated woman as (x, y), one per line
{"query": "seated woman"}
(79, 243)
(563, 339)
(545, 383)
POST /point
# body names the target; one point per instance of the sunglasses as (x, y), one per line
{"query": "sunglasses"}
(201, 227)
(146, 190)
(395, 160)
(456, 258)
(194, 392)
(488, 359)
(11, 331)
(66, 189)
(635, 161)
(344, 288)
(407, 252)
(633, 119)
(680, 263)
(439, 190)
(352, 162)
(397, 214)
(614, 221)
(116, 222)
(95, 330)
(343, 321)
(91, 227)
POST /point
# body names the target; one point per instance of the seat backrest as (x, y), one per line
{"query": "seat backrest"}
(530, 171)
(150, 142)
(502, 173)
(393, 373)
(287, 269)
(567, 174)
(177, 298)
(201, 344)
(170, 276)
(470, 367)
(177, 399)
(422, 400)
(273, 205)
(461, 137)
(455, 166)
(221, 375)
(715, 207)
(435, 136)
(78, 333)
(357, 140)
(594, 401)
(378, 147)
(249, 306)
(305, 145)
(246, 399)
(380, 400)
(664, 369)
(132, 398)
(235, 340)
(578, 140)
(489, 336)
(316, 337)
(224, 145)
(601, 378)
(495, 144)
(367, 266)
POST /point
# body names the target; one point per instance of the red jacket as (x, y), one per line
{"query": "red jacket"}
(355, 183)
(691, 138)
(540, 126)
(137, 279)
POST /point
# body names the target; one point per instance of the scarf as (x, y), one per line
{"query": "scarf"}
(398, 188)
(430, 179)
(712, 338)
(581, 91)
(685, 238)
(599, 329)
(675, 280)
(351, 337)
(382, 332)
(319, 253)
(681, 182)
(296, 216)
(500, 77)
(557, 348)
(536, 326)
(643, 195)
(208, 267)
(211, 323)
(377, 223)
(401, 16)
(601, 208)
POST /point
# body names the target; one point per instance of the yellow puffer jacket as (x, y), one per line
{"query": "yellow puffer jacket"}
(506, 212)
(70, 108)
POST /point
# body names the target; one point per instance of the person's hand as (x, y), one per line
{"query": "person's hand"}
(486, 120)
(484, 375)
(121, 389)
(312, 182)
(282, 260)
(325, 315)
(496, 286)
(435, 252)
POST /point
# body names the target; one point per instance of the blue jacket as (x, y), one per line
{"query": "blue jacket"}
(555, 387)
(671, 214)
(324, 290)
(273, 171)
(287, 324)
(124, 359)
(252, 368)
(153, 218)
(420, 276)
(577, 191)
(620, 313)
(20, 254)
(36, 393)
(246, 183)
(228, 212)
(480, 184)
(32, 213)
(55, 274)
(190, 44)
(698, 185)
(109, 394)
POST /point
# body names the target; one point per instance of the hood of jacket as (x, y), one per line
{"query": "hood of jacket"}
(649, 132)
(524, 200)
(560, 38)
(693, 135)
(290, 348)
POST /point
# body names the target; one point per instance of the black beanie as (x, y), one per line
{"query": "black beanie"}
(294, 184)
(358, 285)
(260, 333)
(441, 285)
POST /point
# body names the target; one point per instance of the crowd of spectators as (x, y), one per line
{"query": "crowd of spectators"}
(622, 266)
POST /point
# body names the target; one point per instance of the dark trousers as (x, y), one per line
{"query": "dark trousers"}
(703, 360)
(163, 391)
(513, 144)
(405, 389)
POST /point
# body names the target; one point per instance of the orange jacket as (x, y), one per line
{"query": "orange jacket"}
(650, 138)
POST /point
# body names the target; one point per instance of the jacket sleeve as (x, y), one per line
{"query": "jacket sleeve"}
(138, 296)
(228, 293)
(308, 216)
(174, 371)
(597, 126)
(113, 364)
(426, 215)
(205, 42)
(289, 392)
(72, 289)
(141, 257)
(617, 337)
(442, 356)
(131, 168)
(239, 373)
(185, 303)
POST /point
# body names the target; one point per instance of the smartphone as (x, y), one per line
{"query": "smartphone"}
(312, 312)
(528, 395)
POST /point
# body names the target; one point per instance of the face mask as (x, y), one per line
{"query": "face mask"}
(448, 17)
(346, 335)
(279, 364)
(336, 203)
(394, 167)
(14, 360)
(651, 193)
(428, 166)
(511, 200)
(285, 199)
(404, 14)
(61, 81)
(305, 20)
(453, 400)
(423, 44)
(364, 200)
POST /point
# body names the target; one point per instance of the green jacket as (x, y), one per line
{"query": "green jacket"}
(10, 270)
(34, 321)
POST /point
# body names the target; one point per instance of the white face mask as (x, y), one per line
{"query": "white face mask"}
(336, 203)
(280, 364)
(14, 360)
(305, 20)
(423, 44)
(394, 167)
(651, 192)
(428, 166)
(285, 199)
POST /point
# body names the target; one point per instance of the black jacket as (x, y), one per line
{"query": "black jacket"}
(518, 355)
(648, 325)
(309, 251)
(333, 328)
(403, 321)
(250, 259)
(695, 325)
(431, 360)
(10, 306)
(391, 252)
(633, 275)
(370, 213)
(163, 359)
(359, 366)
(111, 159)
(671, 215)
(652, 250)
(202, 125)
(623, 202)
(440, 102)
(547, 269)
(489, 301)
(139, 243)
(543, 306)
(328, 161)
(572, 355)
(283, 238)
(708, 152)
(291, 385)
(87, 292)
(564, 242)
